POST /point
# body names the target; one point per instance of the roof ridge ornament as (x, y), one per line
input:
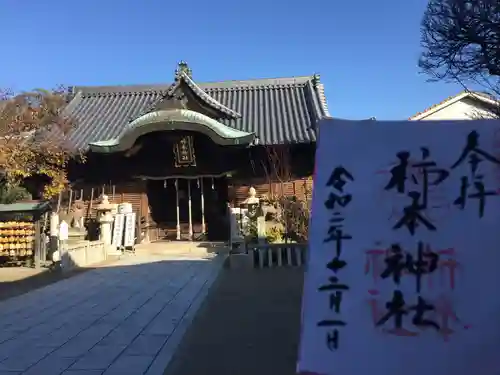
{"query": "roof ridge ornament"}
(182, 67)
(316, 79)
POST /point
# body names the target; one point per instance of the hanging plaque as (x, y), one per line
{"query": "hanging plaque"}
(184, 152)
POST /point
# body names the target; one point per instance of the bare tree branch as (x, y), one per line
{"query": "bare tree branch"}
(461, 42)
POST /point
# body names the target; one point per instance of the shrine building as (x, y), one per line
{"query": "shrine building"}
(182, 152)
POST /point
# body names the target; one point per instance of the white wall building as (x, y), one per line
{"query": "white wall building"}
(464, 106)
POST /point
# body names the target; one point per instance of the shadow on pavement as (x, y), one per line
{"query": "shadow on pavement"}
(249, 324)
(33, 279)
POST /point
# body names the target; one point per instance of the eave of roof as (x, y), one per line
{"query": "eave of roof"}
(33, 206)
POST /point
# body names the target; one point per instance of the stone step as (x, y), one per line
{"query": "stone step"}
(178, 247)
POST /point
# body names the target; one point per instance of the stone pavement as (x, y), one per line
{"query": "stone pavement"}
(249, 324)
(126, 318)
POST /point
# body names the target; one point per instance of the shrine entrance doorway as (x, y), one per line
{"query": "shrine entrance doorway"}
(184, 155)
(190, 208)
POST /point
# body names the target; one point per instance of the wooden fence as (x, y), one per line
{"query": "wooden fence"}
(278, 255)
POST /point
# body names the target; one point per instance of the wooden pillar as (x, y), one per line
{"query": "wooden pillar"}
(189, 211)
(178, 227)
(202, 207)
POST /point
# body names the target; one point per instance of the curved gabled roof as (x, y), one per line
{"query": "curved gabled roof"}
(277, 110)
(182, 76)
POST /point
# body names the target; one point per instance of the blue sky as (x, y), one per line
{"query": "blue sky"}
(366, 50)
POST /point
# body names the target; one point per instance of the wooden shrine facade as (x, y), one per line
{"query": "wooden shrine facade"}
(181, 153)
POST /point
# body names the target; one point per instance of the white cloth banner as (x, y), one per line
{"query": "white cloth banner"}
(404, 260)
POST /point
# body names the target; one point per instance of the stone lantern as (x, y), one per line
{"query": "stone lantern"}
(255, 213)
(105, 218)
(251, 203)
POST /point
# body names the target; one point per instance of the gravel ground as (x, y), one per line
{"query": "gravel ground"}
(248, 325)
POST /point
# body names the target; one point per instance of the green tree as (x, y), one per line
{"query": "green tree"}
(32, 132)
(12, 194)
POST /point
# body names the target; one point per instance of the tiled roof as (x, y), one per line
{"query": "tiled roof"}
(281, 110)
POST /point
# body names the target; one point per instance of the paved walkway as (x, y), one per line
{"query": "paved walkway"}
(248, 325)
(127, 318)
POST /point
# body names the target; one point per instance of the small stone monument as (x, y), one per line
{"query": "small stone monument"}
(236, 238)
(261, 229)
(62, 255)
(63, 231)
(78, 213)
(239, 258)
(77, 231)
(54, 234)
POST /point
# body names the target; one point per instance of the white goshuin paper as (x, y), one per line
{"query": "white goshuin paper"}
(368, 151)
